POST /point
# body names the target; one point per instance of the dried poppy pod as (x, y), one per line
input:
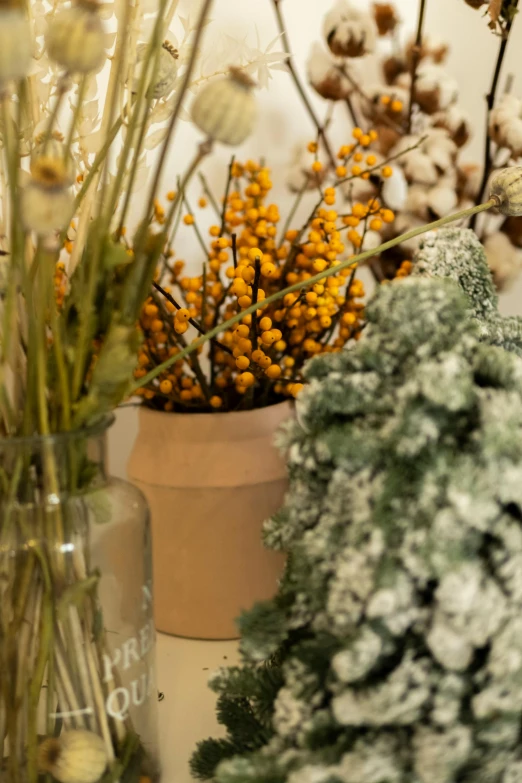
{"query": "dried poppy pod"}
(53, 149)
(16, 45)
(166, 73)
(348, 31)
(75, 38)
(46, 200)
(73, 757)
(226, 109)
(506, 188)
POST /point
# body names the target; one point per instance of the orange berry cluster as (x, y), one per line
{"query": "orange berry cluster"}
(60, 283)
(260, 360)
(404, 270)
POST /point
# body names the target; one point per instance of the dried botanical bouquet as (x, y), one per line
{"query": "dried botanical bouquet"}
(86, 90)
(411, 118)
(74, 285)
(249, 257)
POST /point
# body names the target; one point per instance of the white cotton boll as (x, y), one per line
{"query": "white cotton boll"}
(469, 177)
(416, 164)
(505, 260)
(325, 77)
(372, 239)
(395, 189)
(417, 201)
(513, 137)
(359, 190)
(505, 124)
(420, 168)
(374, 108)
(442, 200)
(404, 222)
(456, 122)
(349, 32)
(441, 150)
(435, 88)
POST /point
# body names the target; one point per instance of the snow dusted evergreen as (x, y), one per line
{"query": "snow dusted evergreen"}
(392, 652)
(457, 254)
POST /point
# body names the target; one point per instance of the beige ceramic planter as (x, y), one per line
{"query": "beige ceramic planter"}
(210, 480)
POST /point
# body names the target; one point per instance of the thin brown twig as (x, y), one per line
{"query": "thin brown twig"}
(225, 198)
(490, 102)
(197, 326)
(193, 361)
(415, 60)
(208, 193)
(234, 250)
(351, 112)
(300, 89)
(382, 118)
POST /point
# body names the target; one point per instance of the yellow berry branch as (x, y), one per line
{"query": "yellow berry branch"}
(379, 166)
(227, 190)
(192, 321)
(334, 270)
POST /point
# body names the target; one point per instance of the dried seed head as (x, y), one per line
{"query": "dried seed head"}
(75, 39)
(74, 757)
(16, 45)
(51, 155)
(46, 200)
(226, 109)
(166, 74)
(506, 188)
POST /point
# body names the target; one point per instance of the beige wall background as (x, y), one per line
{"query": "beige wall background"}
(283, 122)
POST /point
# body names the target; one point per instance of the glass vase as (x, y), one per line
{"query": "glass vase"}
(78, 697)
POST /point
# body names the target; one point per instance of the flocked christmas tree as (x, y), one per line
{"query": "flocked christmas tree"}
(393, 650)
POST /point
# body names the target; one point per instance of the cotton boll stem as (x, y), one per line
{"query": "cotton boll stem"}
(490, 101)
(299, 87)
(415, 60)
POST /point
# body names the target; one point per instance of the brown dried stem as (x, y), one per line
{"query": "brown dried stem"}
(415, 60)
(297, 82)
(490, 102)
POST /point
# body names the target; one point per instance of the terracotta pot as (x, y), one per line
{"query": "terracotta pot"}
(211, 480)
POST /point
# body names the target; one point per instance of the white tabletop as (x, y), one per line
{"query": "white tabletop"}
(187, 712)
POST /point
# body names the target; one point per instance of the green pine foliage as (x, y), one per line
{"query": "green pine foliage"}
(392, 652)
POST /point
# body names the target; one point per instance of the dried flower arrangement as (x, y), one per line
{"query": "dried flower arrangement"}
(392, 650)
(73, 287)
(86, 90)
(417, 100)
(248, 258)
